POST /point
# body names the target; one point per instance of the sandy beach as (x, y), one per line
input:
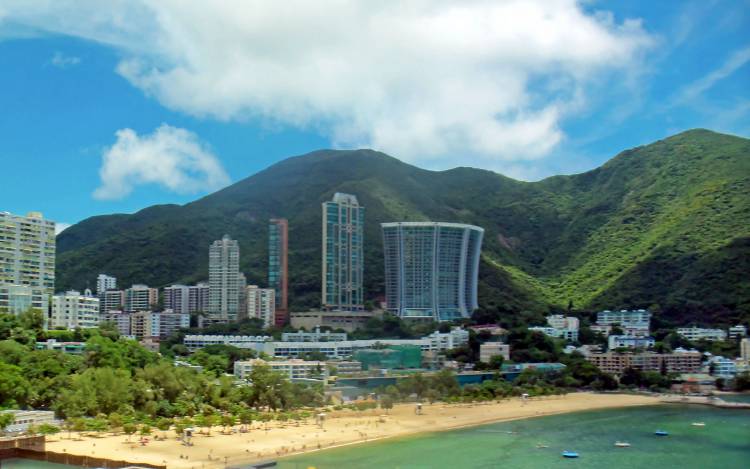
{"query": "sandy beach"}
(267, 442)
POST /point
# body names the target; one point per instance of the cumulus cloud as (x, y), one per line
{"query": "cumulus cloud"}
(481, 82)
(171, 157)
(61, 60)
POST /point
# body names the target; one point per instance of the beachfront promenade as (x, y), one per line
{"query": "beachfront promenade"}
(276, 439)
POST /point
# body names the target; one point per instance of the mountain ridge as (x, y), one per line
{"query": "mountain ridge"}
(586, 238)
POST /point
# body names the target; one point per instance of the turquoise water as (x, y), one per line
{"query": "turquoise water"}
(27, 464)
(723, 443)
(736, 397)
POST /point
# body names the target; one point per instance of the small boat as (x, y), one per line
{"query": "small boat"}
(569, 454)
(539, 445)
(698, 424)
(622, 444)
(661, 433)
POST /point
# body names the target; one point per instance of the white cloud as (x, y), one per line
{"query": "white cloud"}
(736, 60)
(60, 227)
(61, 60)
(481, 82)
(171, 157)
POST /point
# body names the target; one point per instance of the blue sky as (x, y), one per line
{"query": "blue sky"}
(102, 114)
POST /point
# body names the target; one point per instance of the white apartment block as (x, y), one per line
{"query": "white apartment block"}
(105, 282)
(292, 369)
(261, 304)
(186, 298)
(226, 284)
(314, 336)
(737, 332)
(630, 342)
(121, 319)
(488, 350)
(149, 324)
(567, 326)
(194, 342)
(623, 317)
(699, 333)
(140, 298)
(27, 262)
(722, 367)
(71, 310)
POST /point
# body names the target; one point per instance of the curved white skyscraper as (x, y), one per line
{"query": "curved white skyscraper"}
(431, 269)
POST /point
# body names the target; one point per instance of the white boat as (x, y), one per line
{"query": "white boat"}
(698, 424)
(622, 444)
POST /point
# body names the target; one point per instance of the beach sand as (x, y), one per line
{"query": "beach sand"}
(269, 442)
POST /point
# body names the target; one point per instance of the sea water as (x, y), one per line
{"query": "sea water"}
(29, 464)
(724, 442)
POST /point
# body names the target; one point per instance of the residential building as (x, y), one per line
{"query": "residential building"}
(74, 348)
(186, 299)
(492, 329)
(105, 282)
(314, 336)
(112, 300)
(635, 323)
(343, 258)
(722, 367)
(159, 325)
(699, 333)
(737, 332)
(226, 284)
(261, 304)
(71, 310)
(25, 418)
(344, 367)
(566, 327)
(120, 319)
(278, 276)
(195, 342)
(680, 361)
(346, 320)
(694, 383)
(488, 350)
(431, 269)
(293, 369)
(745, 350)
(631, 342)
(455, 338)
(140, 298)
(27, 262)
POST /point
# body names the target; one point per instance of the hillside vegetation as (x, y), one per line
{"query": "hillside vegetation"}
(665, 226)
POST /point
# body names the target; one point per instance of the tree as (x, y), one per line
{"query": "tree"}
(6, 419)
(145, 430)
(129, 429)
(496, 362)
(47, 429)
(386, 403)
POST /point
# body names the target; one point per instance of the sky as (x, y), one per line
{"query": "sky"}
(113, 106)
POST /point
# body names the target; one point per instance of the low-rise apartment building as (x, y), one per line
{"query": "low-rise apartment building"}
(680, 361)
(488, 350)
(314, 336)
(293, 369)
(71, 310)
(631, 342)
(194, 342)
(700, 333)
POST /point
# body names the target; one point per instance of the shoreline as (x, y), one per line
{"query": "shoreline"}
(341, 428)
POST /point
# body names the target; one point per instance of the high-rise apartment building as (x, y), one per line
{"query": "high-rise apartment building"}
(140, 298)
(278, 278)
(431, 269)
(27, 262)
(71, 310)
(105, 282)
(111, 300)
(343, 257)
(186, 299)
(261, 304)
(224, 282)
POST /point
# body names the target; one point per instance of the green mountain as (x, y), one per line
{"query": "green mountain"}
(665, 226)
